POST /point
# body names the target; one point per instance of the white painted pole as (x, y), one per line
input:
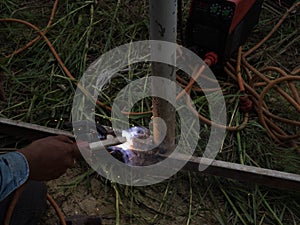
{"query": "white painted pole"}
(163, 27)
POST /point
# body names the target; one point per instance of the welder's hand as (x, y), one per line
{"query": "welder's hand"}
(50, 157)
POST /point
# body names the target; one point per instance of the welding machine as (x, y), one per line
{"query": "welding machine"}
(220, 26)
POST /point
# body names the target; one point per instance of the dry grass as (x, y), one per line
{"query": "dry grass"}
(38, 91)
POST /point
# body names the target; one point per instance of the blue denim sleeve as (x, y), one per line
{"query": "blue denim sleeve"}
(14, 171)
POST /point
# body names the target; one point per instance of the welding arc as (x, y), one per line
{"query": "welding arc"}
(256, 98)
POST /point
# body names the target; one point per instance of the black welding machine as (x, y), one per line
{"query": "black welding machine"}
(220, 26)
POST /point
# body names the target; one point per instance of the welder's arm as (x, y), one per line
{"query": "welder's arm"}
(14, 171)
(44, 159)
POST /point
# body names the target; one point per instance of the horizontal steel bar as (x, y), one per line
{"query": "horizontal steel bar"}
(272, 178)
(251, 174)
(29, 131)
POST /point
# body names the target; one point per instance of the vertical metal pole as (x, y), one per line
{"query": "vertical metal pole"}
(163, 27)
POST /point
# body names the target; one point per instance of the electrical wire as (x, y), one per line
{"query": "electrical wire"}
(57, 210)
(13, 204)
(234, 71)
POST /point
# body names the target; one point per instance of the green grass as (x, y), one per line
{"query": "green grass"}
(39, 92)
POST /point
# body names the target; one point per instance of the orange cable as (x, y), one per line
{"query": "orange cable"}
(27, 45)
(13, 204)
(57, 209)
(278, 24)
(238, 71)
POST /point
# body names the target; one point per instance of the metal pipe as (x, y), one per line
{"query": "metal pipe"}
(163, 27)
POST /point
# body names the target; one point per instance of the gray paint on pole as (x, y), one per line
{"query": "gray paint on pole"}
(163, 27)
